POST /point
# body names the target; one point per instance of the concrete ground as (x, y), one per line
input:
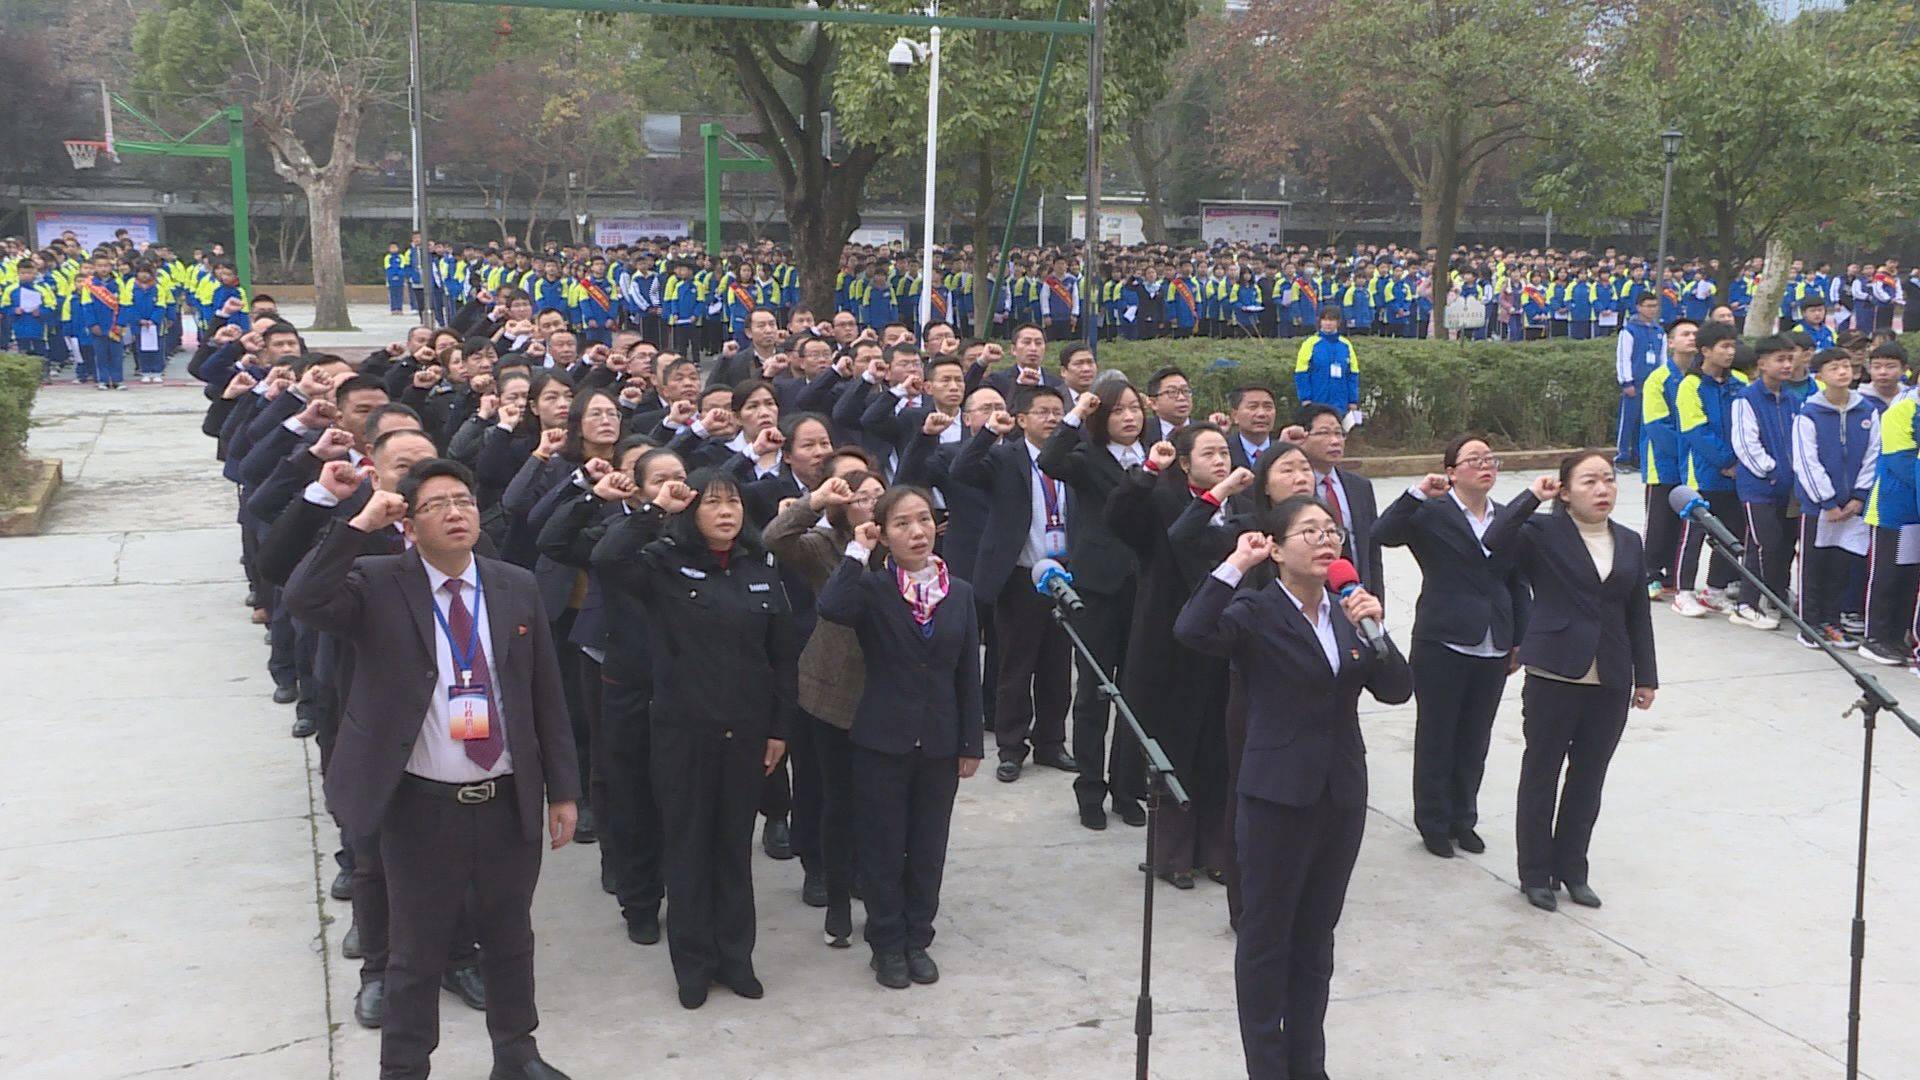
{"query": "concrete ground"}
(164, 858)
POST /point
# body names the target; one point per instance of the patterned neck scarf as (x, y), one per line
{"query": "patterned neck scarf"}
(923, 590)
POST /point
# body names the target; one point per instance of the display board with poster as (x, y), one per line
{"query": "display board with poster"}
(610, 231)
(93, 226)
(1118, 224)
(879, 235)
(1241, 223)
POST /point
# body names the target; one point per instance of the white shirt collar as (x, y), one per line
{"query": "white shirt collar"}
(1126, 455)
(437, 581)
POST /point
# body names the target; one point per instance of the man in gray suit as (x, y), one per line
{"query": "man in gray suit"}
(454, 732)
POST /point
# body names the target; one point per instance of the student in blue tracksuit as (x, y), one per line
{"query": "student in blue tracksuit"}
(1323, 368)
(1836, 444)
(1247, 305)
(97, 306)
(1356, 304)
(34, 306)
(1813, 321)
(1641, 347)
(1704, 405)
(1581, 306)
(396, 272)
(1763, 416)
(1892, 506)
(141, 313)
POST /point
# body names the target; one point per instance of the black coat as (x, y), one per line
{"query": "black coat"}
(929, 463)
(1464, 592)
(921, 690)
(1101, 561)
(1005, 472)
(1577, 618)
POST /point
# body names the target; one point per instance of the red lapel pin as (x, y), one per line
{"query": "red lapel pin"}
(521, 630)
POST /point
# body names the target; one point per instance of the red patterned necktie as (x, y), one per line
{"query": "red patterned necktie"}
(483, 752)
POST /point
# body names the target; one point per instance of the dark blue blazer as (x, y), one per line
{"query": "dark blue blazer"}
(1464, 593)
(1303, 722)
(1004, 470)
(921, 691)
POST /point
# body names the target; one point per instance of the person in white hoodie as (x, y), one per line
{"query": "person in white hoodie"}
(1836, 443)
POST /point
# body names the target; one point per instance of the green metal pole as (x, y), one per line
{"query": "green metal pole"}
(237, 161)
(710, 144)
(1026, 159)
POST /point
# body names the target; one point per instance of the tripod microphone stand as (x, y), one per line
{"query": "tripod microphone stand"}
(1873, 699)
(1160, 778)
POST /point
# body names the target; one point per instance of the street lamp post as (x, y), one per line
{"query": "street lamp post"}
(1669, 149)
(933, 143)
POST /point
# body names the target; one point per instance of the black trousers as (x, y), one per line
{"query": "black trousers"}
(1823, 576)
(838, 844)
(1295, 863)
(371, 914)
(1663, 536)
(436, 852)
(708, 787)
(1577, 726)
(1770, 541)
(776, 791)
(1103, 625)
(1456, 696)
(1890, 591)
(1035, 673)
(571, 673)
(625, 812)
(805, 802)
(990, 663)
(905, 806)
(1720, 571)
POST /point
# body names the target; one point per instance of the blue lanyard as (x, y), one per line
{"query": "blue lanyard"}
(1049, 496)
(462, 658)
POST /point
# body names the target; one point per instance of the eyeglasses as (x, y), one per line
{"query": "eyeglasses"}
(1178, 393)
(1327, 433)
(1477, 463)
(1330, 534)
(435, 507)
(865, 500)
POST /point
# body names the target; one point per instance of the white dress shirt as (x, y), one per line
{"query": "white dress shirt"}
(1036, 546)
(437, 755)
(1322, 619)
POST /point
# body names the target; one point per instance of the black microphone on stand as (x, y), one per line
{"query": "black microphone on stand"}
(1687, 503)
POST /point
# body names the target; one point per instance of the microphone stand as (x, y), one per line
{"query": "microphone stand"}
(1160, 777)
(1873, 699)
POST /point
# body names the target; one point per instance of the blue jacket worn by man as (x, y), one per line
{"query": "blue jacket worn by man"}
(1324, 372)
(1705, 408)
(1640, 348)
(1763, 443)
(1836, 450)
(1893, 502)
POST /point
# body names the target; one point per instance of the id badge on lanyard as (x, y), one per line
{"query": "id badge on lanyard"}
(469, 707)
(1056, 523)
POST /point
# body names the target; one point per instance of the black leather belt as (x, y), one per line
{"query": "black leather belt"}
(466, 794)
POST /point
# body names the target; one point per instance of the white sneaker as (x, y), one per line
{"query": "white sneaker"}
(1687, 605)
(1718, 600)
(1753, 618)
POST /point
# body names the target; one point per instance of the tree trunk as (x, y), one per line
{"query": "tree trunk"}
(1430, 223)
(1445, 206)
(324, 202)
(984, 292)
(1768, 290)
(1153, 218)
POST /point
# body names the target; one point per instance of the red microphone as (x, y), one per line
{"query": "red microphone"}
(1345, 580)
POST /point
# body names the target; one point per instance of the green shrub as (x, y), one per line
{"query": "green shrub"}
(19, 382)
(1417, 394)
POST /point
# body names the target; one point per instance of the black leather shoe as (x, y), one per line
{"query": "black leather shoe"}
(1580, 893)
(813, 889)
(529, 1070)
(303, 726)
(692, 996)
(776, 839)
(890, 971)
(1130, 812)
(583, 830)
(284, 695)
(350, 945)
(1062, 761)
(468, 986)
(1541, 898)
(1218, 877)
(1093, 817)
(370, 1004)
(643, 928)
(743, 984)
(838, 932)
(342, 887)
(1179, 879)
(921, 968)
(1007, 772)
(252, 600)
(1438, 845)
(1469, 841)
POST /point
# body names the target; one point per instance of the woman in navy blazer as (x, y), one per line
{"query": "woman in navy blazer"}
(1588, 652)
(1301, 800)
(917, 730)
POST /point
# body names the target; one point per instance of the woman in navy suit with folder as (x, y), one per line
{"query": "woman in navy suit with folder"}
(1588, 652)
(917, 730)
(1301, 802)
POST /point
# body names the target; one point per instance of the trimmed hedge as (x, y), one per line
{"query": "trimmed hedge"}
(19, 384)
(1416, 394)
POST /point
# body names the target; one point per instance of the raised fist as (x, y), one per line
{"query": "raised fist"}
(340, 479)
(481, 384)
(717, 419)
(767, 442)
(935, 423)
(318, 414)
(833, 492)
(489, 406)
(1220, 420)
(384, 509)
(551, 440)
(396, 349)
(226, 334)
(253, 341)
(332, 445)
(1293, 433)
(277, 385)
(1252, 549)
(1084, 405)
(596, 469)
(510, 414)
(1433, 485)
(1236, 482)
(631, 394)
(867, 535)
(1545, 488)
(681, 413)
(240, 383)
(777, 365)
(674, 496)
(1161, 455)
(1001, 421)
(426, 378)
(614, 487)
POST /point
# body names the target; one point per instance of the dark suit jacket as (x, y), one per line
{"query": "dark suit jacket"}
(1004, 471)
(1002, 380)
(1363, 547)
(1101, 561)
(1463, 593)
(1577, 618)
(381, 606)
(921, 690)
(1303, 723)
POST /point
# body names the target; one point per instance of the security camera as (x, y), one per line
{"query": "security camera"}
(903, 56)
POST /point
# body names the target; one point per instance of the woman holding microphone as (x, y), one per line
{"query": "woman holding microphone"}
(1301, 798)
(917, 730)
(1588, 652)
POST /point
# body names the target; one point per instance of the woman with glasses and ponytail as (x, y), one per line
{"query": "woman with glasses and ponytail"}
(1301, 799)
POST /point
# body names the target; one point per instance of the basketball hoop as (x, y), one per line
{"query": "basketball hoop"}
(84, 152)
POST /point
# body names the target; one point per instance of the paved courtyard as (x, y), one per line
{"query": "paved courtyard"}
(164, 857)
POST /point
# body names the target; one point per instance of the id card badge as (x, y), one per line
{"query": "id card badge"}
(1335, 371)
(1056, 543)
(469, 713)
